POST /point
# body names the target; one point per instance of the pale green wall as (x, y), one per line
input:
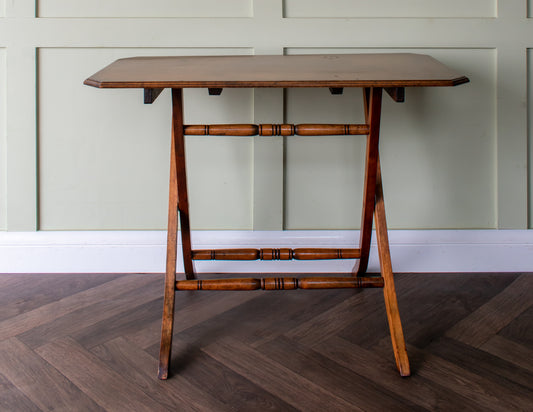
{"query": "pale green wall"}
(3, 148)
(77, 158)
(106, 165)
(426, 156)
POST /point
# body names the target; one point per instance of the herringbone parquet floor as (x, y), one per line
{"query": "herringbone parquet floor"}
(90, 342)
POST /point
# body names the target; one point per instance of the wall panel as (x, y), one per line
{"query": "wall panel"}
(530, 134)
(140, 8)
(3, 148)
(437, 152)
(390, 8)
(98, 159)
(103, 154)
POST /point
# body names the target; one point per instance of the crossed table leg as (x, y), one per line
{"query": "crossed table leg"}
(373, 207)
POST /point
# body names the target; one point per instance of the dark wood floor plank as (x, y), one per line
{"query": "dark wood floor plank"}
(106, 387)
(266, 316)
(49, 312)
(288, 314)
(493, 316)
(11, 399)
(256, 320)
(275, 378)
(119, 324)
(519, 330)
(337, 318)
(234, 389)
(503, 373)
(7, 280)
(382, 371)
(73, 323)
(29, 291)
(519, 355)
(430, 309)
(444, 300)
(304, 350)
(362, 315)
(463, 381)
(177, 393)
(334, 377)
(38, 380)
(192, 308)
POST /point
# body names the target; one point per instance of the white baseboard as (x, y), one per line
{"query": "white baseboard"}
(144, 251)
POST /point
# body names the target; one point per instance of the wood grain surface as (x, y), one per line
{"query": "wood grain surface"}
(297, 350)
(327, 70)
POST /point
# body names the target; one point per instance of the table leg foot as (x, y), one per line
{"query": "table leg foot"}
(167, 324)
(167, 327)
(162, 371)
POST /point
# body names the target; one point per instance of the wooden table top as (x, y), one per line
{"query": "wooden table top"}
(324, 70)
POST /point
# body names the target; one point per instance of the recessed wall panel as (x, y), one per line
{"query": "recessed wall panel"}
(530, 134)
(390, 8)
(3, 154)
(152, 8)
(104, 155)
(437, 152)
(323, 174)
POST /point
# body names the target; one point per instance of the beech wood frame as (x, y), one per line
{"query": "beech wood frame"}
(373, 208)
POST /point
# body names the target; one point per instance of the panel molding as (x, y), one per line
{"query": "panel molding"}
(512, 134)
(530, 134)
(3, 143)
(420, 251)
(390, 9)
(21, 131)
(152, 9)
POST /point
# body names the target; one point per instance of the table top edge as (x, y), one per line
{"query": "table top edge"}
(277, 71)
(274, 84)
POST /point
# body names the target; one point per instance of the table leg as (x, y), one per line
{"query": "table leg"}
(177, 201)
(389, 291)
(374, 207)
(372, 104)
(181, 178)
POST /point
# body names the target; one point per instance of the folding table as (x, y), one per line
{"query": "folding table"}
(371, 72)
